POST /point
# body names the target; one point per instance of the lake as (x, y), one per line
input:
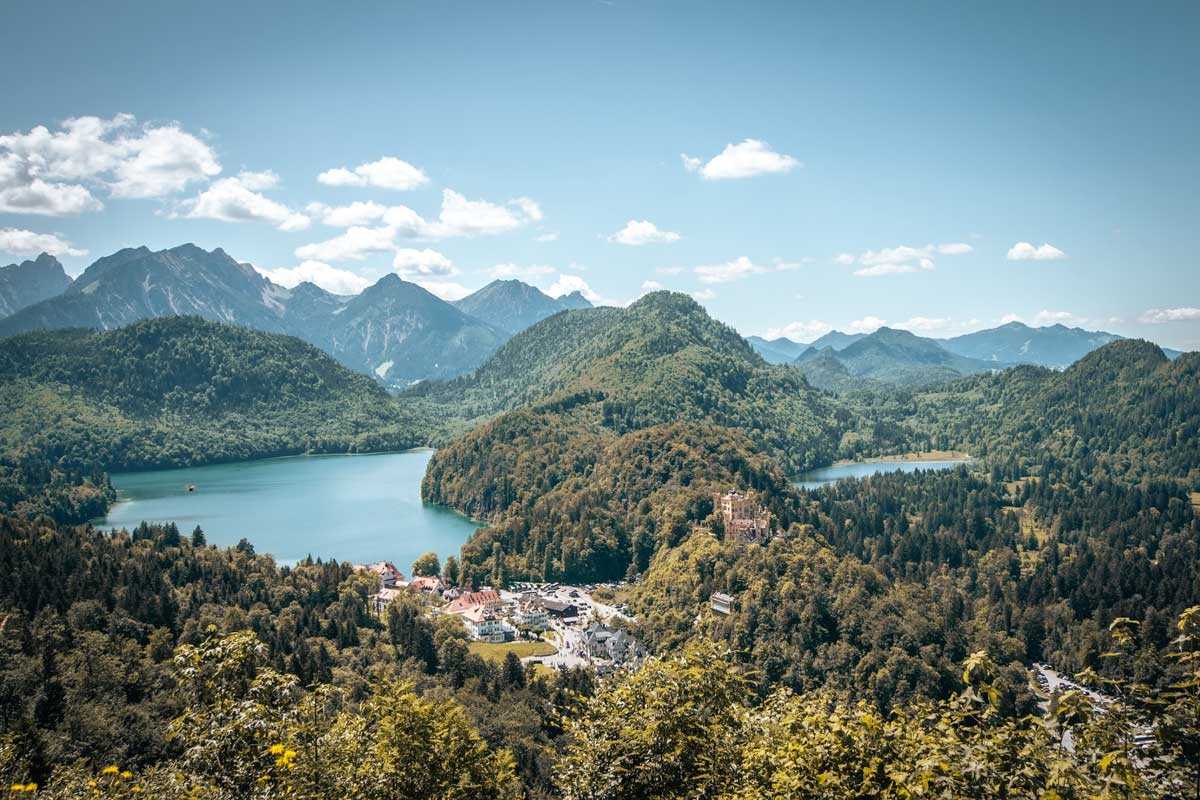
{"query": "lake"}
(817, 478)
(350, 507)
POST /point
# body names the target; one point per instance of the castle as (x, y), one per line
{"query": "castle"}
(745, 520)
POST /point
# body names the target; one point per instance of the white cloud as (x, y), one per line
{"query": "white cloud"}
(901, 259)
(787, 266)
(529, 208)
(357, 213)
(520, 272)
(652, 286)
(746, 159)
(866, 325)
(642, 232)
(355, 244)
(331, 279)
(238, 200)
(1056, 317)
(573, 283)
(954, 249)
(55, 173)
(426, 263)
(1157, 316)
(162, 161)
(1011, 317)
(926, 325)
(447, 290)
(27, 243)
(459, 217)
(47, 199)
(388, 172)
(671, 270)
(1024, 251)
(552, 236)
(891, 268)
(740, 267)
(463, 217)
(800, 331)
(704, 294)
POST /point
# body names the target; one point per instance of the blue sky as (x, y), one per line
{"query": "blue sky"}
(939, 166)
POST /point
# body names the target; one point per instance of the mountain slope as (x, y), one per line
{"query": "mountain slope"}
(777, 351)
(662, 359)
(30, 282)
(837, 340)
(180, 391)
(512, 306)
(401, 333)
(889, 356)
(135, 284)
(394, 330)
(1016, 343)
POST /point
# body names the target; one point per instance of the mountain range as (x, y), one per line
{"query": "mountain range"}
(30, 282)
(900, 357)
(888, 356)
(394, 330)
(512, 306)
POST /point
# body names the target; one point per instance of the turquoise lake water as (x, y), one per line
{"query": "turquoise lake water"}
(352, 508)
(827, 475)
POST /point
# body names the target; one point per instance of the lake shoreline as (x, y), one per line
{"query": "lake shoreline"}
(931, 455)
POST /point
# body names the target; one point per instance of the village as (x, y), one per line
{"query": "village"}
(557, 625)
(572, 628)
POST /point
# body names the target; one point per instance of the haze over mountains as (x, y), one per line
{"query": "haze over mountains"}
(395, 330)
(837, 360)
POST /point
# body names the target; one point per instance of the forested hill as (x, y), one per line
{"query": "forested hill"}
(657, 395)
(661, 360)
(1124, 410)
(179, 391)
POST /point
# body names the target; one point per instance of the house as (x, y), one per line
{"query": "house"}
(721, 603)
(532, 615)
(380, 600)
(427, 585)
(488, 598)
(746, 521)
(485, 625)
(389, 576)
(601, 641)
(557, 608)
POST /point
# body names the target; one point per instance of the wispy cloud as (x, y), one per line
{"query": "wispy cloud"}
(900, 259)
(1157, 316)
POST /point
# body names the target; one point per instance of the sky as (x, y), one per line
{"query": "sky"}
(796, 167)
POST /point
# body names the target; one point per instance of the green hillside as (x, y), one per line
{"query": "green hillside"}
(180, 391)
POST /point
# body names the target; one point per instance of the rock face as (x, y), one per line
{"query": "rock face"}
(395, 331)
(30, 282)
(512, 306)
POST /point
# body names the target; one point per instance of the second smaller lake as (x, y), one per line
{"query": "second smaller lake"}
(817, 478)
